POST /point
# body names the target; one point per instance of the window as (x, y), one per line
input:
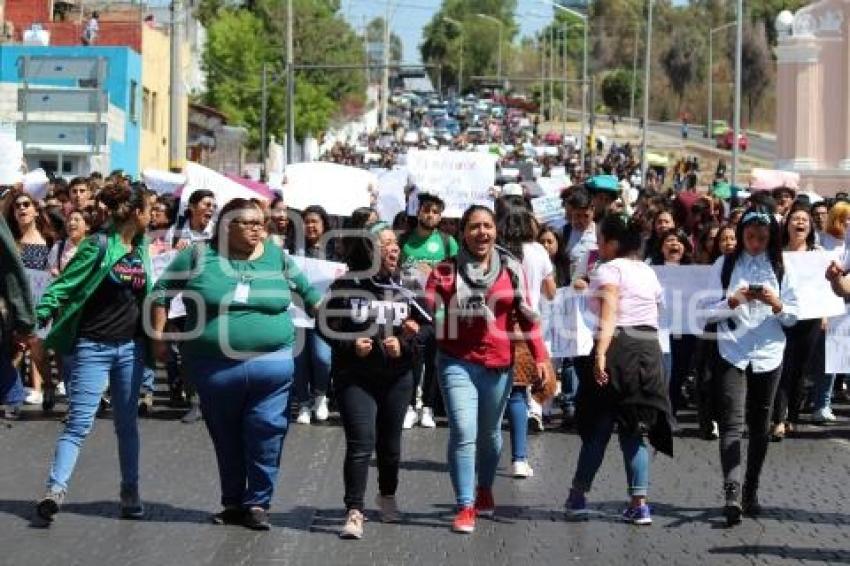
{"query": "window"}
(146, 109)
(134, 93)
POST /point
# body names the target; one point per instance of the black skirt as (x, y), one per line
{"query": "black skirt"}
(636, 391)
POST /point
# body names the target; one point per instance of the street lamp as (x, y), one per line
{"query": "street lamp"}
(584, 85)
(647, 66)
(709, 114)
(460, 63)
(501, 25)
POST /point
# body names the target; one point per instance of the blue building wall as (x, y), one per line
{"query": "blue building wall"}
(123, 66)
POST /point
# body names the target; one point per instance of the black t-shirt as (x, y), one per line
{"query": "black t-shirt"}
(113, 312)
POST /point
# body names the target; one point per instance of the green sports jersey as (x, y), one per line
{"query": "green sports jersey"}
(430, 250)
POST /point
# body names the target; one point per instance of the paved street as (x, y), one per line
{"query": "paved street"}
(805, 492)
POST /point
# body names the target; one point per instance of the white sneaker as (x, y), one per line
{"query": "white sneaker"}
(33, 397)
(410, 419)
(522, 469)
(535, 422)
(321, 408)
(824, 416)
(60, 389)
(303, 414)
(427, 418)
(715, 430)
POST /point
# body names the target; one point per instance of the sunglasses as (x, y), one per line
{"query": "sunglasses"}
(23, 204)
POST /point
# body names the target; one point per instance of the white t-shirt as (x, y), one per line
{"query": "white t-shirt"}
(537, 267)
(639, 291)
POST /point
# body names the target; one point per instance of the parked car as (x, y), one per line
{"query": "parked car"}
(725, 141)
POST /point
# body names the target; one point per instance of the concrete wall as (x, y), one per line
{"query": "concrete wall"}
(123, 69)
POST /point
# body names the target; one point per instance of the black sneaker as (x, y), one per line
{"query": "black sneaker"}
(750, 500)
(49, 505)
(732, 508)
(131, 504)
(256, 519)
(229, 516)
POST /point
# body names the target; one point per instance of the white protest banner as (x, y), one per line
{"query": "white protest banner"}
(460, 178)
(159, 262)
(320, 274)
(199, 177)
(815, 298)
(337, 188)
(391, 198)
(567, 324)
(163, 182)
(837, 341)
(547, 208)
(39, 281)
(682, 285)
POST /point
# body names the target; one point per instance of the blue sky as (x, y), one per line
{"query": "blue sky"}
(411, 15)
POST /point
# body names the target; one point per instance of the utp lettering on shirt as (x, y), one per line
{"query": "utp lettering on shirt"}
(385, 312)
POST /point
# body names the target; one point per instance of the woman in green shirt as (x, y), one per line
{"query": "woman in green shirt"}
(239, 339)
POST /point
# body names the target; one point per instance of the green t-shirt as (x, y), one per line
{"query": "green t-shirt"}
(241, 305)
(430, 250)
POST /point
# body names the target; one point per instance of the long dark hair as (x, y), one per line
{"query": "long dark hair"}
(810, 238)
(42, 220)
(560, 260)
(762, 215)
(515, 228)
(226, 217)
(687, 255)
(196, 197)
(625, 231)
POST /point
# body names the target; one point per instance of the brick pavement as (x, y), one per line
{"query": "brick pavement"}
(805, 492)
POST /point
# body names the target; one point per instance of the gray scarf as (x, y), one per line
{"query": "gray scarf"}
(474, 281)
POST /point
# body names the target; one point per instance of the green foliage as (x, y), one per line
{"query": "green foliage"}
(617, 90)
(682, 60)
(242, 35)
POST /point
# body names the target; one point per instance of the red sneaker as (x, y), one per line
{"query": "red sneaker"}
(464, 520)
(485, 505)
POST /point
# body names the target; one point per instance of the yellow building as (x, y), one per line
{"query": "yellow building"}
(154, 101)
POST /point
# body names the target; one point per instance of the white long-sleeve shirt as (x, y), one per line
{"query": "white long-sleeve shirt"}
(751, 334)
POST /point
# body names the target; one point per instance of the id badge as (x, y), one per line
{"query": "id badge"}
(241, 294)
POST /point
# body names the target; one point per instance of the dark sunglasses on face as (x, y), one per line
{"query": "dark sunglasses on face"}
(23, 204)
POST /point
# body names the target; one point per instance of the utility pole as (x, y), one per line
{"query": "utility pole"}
(584, 86)
(646, 83)
(552, 52)
(634, 75)
(736, 116)
(542, 76)
(290, 88)
(564, 115)
(263, 122)
(385, 86)
(176, 125)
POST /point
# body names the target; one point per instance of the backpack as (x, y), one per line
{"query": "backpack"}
(729, 266)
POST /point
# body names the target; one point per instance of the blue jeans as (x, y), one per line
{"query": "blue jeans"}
(312, 367)
(518, 421)
(635, 457)
(148, 380)
(121, 365)
(11, 388)
(475, 399)
(245, 404)
(569, 382)
(822, 392)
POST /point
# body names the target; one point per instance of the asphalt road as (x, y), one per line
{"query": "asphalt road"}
(760, 147)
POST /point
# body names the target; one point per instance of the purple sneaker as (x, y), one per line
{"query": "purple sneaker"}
(638, 515)
(576, 504)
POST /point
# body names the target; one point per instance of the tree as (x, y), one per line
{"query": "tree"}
(617, 90)
(375, 34)
(682, 61)
(442, 39)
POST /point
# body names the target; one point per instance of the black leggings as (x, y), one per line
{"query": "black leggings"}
(424, 374)
(743, 395)
(802, 341)
(372, 412)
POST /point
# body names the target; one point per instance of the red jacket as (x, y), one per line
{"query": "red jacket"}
(475, 340)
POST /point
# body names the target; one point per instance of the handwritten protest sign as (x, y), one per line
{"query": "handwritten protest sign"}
(838, 344)
(320, 274)
(548, 208)
(337, 188)
(460, 178)
(815, 298)
(567, 324)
